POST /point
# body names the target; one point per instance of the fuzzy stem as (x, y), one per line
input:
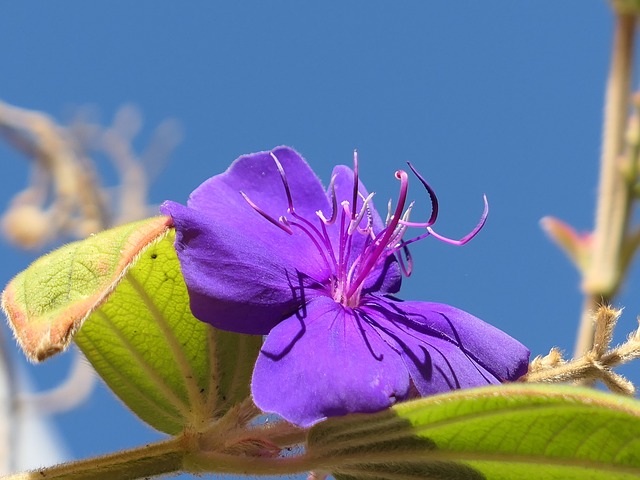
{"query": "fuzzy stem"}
(284, 434)
(204, 462)
(179, 454)
(147, 461)
(605, 272)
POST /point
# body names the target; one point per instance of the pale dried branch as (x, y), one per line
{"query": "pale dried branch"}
(65, 197)
(62, 182)
(596, 364)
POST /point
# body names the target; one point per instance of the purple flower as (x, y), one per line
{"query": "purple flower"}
(265, 250)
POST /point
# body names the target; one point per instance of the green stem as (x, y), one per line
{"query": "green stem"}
(205, 462)
(150, 460)
(284, 434)
(605, 273)
(180, 454)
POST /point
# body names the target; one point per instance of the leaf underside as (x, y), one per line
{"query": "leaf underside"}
(495, 433)
(122, 295)
(172, 370)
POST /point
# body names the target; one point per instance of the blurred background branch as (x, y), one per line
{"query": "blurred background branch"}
(66, 199)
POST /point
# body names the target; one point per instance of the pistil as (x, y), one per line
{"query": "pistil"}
(347, 280)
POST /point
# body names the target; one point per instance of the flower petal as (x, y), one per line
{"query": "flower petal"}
(239, 282)
(326, 361)
(243, 273)
(257, 176)
(445, 348)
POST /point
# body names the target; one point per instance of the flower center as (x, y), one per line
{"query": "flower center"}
(354, 247)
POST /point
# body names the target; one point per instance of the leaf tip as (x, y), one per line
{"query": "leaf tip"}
(36, 342)
(43, 314)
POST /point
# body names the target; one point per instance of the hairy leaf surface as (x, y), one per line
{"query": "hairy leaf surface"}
(48, 302)
(122, 294)
(172, 370)
(495, 433)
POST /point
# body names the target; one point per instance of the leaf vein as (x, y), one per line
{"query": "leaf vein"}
(193, 389)
(148, 369)
(161, 409)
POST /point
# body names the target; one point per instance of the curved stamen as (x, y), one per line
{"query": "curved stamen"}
(366, 204)
(407, 268)
(340, 272)
(434, 203)
(266, 215)
(382, 240)
(356, 263)
(291, 209)
(432, 196)
(349, 268)
(334, 204)
(406, 243)
(468, 236)
(347, 256)
(283, 177)
(400, 230)
(308, 228)
(388, 217)
(355, 221)
(356, 184)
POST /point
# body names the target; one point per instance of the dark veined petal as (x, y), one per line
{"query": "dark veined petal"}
(445, 348)
(239, 282)
(326, 361)
(386, 278)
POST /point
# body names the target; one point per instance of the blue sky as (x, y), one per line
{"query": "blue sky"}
(502, 98)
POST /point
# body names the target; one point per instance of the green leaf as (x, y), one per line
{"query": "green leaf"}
(48, 302)
(172, 370)
(125, 289)
(506, 432)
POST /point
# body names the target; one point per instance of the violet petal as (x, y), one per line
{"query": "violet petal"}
(446, 348)
(326, 361)
(243, 273)
(257, 176)
(238, 282)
